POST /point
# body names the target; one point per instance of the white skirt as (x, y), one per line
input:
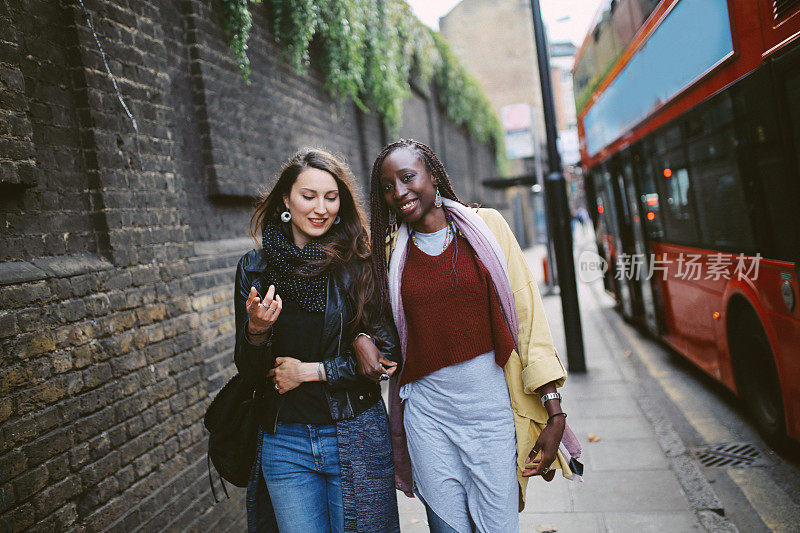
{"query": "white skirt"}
(462, 442)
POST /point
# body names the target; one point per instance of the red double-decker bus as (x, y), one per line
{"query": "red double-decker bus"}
(690, 138)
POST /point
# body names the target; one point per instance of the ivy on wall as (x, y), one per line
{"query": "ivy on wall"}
(237, 21)
(370, 52)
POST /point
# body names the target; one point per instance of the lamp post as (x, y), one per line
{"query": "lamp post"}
(558, 206)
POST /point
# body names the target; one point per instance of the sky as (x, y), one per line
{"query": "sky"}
(566, 20)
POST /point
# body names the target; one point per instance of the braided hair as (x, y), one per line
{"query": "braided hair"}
(380, 228)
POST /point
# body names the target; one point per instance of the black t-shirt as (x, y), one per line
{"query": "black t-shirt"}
(298, 334)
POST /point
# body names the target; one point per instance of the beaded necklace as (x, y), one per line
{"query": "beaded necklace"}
(448, 236)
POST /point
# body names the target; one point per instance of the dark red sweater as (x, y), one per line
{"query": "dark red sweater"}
(449, 320)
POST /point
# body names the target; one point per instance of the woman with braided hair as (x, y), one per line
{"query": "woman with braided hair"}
(474, 409)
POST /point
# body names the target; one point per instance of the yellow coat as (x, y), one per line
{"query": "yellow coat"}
(536, 363)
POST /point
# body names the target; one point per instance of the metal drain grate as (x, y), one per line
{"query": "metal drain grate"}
(730, 454)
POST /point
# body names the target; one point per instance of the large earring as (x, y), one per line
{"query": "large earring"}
(437, 201)
(337, 219)
(392, 218)
(286, 216)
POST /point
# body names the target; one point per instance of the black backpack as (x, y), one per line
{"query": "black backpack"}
(233, 428)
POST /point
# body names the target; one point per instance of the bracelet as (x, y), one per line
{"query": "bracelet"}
(551, 396)
(319, 371)
(254, 334)
(554, 415)
(367, 335)
(269, 332)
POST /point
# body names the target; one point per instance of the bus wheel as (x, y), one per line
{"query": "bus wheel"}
(757, 377)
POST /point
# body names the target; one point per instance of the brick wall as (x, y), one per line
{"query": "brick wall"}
(119, 236)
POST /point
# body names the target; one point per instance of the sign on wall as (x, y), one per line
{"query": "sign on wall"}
(517, 123)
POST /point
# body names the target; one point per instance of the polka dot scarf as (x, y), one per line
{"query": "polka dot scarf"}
(285, 260)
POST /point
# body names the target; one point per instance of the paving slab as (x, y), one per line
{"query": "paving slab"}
(601, 371)
(581, 386)
(632, 454)
(553, 497)
(613, 491)
(672, 522)
(603, 406)
(563, 523)
(412, 514)
(610, 428)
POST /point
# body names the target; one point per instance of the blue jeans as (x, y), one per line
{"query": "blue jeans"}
(436, 524)
(300, 464)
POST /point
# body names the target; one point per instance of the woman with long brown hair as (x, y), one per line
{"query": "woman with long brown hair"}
(474, 410)
(305, 306)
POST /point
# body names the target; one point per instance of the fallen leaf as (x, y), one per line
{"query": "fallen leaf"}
(547, 528)
(593, 438)
(628, 353)
(414, 521)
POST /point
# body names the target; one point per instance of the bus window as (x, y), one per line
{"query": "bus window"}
(709, 117)
(672, 173)
(649, 201)
(668, 138)
(793, 97)
(768, 170)
(723, 214)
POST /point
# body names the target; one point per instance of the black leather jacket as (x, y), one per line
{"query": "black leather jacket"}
(348, 393)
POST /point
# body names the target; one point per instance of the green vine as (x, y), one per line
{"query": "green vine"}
(237, 21)
(371, 52)
(342, 60)
(386, 79)
(294, 24)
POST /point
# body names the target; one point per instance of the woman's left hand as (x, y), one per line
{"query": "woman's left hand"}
(371, 362)
(288, 374)
(547, 443)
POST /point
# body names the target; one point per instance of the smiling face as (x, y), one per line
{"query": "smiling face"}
(409, 190)
(314, 203)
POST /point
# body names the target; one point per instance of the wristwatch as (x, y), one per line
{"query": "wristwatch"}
(551, 396)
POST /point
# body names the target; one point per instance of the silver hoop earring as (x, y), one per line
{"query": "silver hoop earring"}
(437, 201)
(337, 219)
(286, 216)
(392, 218)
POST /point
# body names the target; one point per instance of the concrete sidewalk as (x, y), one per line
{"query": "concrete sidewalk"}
(631, 483)
(628, 483)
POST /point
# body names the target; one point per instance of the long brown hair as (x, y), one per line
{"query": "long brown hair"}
(379, 211)
(346, 244)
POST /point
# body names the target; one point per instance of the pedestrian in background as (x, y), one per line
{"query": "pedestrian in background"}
(475, 343)
(304, 303)
(583, 218)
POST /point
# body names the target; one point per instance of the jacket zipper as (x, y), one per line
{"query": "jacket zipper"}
(341, 329)
(339, 352)
(275, 423)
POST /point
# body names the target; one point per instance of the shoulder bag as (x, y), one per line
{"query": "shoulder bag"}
(233, 428)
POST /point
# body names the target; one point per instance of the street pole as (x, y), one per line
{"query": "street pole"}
(558, 206)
